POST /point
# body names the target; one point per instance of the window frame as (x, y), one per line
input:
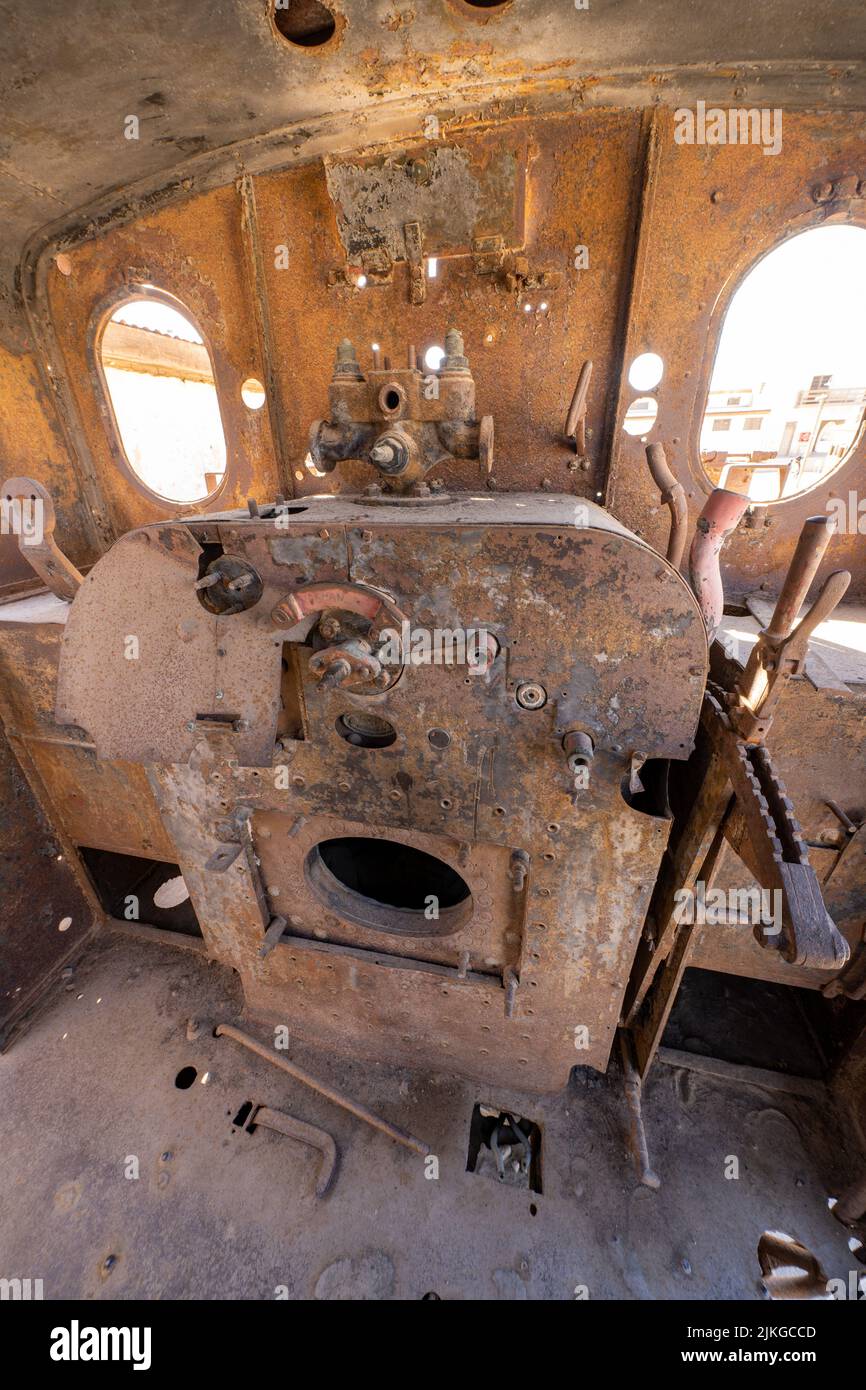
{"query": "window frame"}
(130, 292)
(815, 220)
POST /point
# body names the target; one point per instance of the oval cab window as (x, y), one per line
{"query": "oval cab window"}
(788, 389)
(160, 383)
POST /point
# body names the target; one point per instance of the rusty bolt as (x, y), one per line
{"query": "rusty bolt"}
(518, 869)
(455, 359)
(346, 357)
(335, 674)
(530, 695)
(579, 748)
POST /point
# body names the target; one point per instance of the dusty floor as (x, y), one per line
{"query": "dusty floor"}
(220, 1213)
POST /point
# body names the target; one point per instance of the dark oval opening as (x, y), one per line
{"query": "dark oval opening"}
(304, 22)
(185, 1077)
(388, 886)
(365, 730)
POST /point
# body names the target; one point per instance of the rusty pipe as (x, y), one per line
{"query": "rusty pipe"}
(226, 1030)
(673, 494)
(722, 511)
(282, 1123)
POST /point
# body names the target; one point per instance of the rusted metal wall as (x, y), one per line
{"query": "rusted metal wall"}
(106, 804)
(670, 229)
(32, 444)
(195, 251)
(582, 607)
(710, 213)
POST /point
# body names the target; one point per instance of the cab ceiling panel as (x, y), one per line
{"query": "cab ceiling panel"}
(200, 77)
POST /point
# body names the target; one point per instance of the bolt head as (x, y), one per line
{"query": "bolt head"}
(530, 695)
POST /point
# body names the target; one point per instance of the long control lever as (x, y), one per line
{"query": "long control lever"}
(781, 648)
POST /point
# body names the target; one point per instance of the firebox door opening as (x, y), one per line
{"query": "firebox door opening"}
(389, 887)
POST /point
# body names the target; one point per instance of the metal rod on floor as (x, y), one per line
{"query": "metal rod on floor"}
(226, 1030)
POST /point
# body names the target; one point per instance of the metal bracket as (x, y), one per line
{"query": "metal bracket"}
(414, 239)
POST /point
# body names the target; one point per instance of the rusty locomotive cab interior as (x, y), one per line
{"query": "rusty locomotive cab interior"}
(433, 652)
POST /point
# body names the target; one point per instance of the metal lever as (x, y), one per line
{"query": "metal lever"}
(36, 537)
(780, 650)
(575, 423)
(764, 832)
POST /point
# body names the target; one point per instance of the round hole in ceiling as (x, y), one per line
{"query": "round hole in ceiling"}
(304, 23)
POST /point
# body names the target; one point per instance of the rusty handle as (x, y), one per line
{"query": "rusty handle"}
(832, 592)
(575, 422)
(720, 516)
(226, 1030)
(282, 1123)
(35, 533)
(811, 546)
(674, 495)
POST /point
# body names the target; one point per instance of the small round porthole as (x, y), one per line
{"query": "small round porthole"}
(388, 886)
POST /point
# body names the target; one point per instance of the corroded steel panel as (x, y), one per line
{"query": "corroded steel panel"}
(532, 980)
